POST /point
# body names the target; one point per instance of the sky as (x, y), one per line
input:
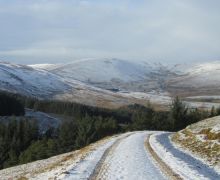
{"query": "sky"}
(53, 31)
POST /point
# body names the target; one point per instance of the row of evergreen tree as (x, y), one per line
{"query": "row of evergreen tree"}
(21, 141)
(178, 117)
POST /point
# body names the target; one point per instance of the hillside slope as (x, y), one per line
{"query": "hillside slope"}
(196, 80)
(180, 79)
(113, 83)
(202, 139)
(197, 84)
(111, 73)
(26, 80)
(43, 84)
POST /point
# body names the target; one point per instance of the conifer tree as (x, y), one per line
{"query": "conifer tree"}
(178, 114)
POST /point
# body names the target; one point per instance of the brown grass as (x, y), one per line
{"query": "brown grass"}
(22, 178)
(210, 135)
(206, 149)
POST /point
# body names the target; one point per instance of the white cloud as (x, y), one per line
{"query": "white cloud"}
(157, 30)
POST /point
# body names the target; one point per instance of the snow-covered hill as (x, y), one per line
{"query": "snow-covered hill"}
(114, 82)
(114, 74)
(38, 82)
(201, 75)
(26, 80)
(45, 66)
(101, 70)
(138, 75)
(200, 79)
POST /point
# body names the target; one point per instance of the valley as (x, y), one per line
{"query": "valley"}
(109, 90)
(113, 83)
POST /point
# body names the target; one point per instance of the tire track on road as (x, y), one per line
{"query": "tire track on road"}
(101, 164)
(162, 165)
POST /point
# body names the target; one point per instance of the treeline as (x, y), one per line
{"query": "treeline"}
(21, 141)
(133, 116)
(178, 117)
(75, 110)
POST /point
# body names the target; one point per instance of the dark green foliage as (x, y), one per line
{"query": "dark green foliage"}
(77, 110)
(146, 118)
(15, 136)
(10, 106)
(218, 111)
(178, 114)
(72, 135)
(90, 129)
(160, 121)
(181, 116)
(213, 112)
(196, 115)
(67, 136)
(39, 150)
(177, 118)
(142, 118)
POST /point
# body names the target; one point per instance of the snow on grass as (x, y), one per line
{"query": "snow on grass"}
(101, 70)
(201, 139)
(27, 80)
(160, 98)
(204, 67)
(200, 149)
(45, 66)
(202, 105)
(203, 97)
(59, 81)
(199, 76)
(210, 123)
(182, 163)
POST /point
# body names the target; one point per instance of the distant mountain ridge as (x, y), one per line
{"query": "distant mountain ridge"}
(112, 73)
(101, 70)
(139, 76)
(111, 81)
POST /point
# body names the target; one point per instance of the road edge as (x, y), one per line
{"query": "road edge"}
(167, 171)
